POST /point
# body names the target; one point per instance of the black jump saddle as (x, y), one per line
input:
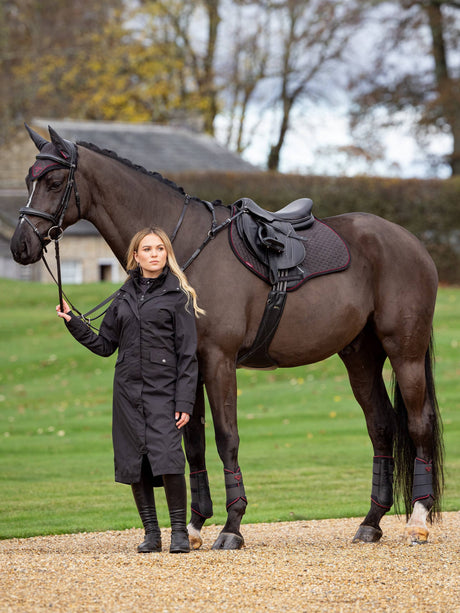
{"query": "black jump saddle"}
(272, 237)
(285, 249)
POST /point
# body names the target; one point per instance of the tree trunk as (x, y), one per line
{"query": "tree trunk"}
(210, 90)
(274, 155)
(447, 87)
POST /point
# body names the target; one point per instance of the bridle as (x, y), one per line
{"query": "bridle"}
(55, 232)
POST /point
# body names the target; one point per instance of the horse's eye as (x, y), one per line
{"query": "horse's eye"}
(55, 185)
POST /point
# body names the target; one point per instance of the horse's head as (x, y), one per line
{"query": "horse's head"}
(50, 183)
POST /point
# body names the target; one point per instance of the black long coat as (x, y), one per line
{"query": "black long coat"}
(155, 373)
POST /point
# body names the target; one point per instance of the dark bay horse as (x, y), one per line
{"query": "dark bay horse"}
(380, 307)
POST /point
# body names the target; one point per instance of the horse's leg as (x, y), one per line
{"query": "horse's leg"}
(220, 381)
(364, 359)
(195, 448)
(423, 453)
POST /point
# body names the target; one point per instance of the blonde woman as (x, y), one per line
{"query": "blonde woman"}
(152, 324)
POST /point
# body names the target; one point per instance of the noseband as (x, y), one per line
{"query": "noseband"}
(55, 231)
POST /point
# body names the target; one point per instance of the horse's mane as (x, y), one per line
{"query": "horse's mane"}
(126, 162)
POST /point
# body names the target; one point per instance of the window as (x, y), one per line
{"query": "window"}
(71, 271)
(108, 270)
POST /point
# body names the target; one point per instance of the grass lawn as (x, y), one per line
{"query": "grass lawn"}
(304, 451)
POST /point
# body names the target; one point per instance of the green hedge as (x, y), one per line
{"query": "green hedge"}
(428, 208)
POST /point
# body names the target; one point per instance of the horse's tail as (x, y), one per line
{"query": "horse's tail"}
(404, 448)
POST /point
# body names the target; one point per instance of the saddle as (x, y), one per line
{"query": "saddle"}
(297, 213)
(285, 249)
(272, 237)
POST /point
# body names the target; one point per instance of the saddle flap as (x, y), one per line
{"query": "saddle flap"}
(270, 238)
(276, 244)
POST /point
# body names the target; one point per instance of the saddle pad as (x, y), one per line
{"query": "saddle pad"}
(325, 252)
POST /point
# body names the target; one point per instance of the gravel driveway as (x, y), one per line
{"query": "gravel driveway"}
(294, 566)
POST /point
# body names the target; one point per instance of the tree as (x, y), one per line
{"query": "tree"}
(193, 27)
(242, 69)
(415, 70)
(313, 37)
(40, 41)
(285, 52)
(91, 60)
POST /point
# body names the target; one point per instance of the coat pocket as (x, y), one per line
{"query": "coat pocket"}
(162, 375)
(163, 357)
(120, 357)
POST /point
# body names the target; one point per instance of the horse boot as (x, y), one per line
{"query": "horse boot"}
(145, 502)
(176, 497)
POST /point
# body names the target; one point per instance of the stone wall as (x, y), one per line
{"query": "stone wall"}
(84, 259)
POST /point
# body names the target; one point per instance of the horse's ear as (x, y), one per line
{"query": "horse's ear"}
(59, 142)
(38, 140)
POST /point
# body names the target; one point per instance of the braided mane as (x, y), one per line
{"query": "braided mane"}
(126, 162)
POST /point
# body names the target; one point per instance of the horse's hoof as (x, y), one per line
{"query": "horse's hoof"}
(367, 534)
(416, 535)
(194, 537)
(228, 540)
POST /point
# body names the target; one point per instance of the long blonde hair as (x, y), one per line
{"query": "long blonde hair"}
(170, 260)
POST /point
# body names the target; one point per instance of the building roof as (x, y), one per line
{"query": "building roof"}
(155, 147)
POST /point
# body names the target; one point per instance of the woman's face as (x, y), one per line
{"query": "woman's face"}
(151, 256)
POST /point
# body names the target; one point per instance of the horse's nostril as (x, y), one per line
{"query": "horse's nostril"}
(19, 251)
(22, 251)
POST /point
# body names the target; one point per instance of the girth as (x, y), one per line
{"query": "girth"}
(272, 239)
(258, 355)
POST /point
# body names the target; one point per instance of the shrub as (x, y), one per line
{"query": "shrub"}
(426, 207)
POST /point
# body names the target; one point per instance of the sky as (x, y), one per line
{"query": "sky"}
(317, 130)
(311, 144)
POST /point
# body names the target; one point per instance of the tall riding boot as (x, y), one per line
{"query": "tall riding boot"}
(176, 497)
(145, 502)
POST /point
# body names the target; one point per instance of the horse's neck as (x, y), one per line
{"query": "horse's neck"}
(120, 200)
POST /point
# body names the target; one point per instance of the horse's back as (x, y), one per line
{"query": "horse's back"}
(395, 253)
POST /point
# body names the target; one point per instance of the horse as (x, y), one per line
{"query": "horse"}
(380, 307)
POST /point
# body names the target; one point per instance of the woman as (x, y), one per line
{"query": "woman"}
(151, 322)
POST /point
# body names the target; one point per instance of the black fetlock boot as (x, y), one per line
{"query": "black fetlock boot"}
(176, 497)
(145, 502)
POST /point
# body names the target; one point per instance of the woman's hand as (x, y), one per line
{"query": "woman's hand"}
(181, 419)
(64, 313)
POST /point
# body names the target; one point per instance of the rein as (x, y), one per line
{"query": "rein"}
(56, 232)
(58, 281)
(213, 231)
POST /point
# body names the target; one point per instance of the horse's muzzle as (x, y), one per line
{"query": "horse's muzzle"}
(25, 245)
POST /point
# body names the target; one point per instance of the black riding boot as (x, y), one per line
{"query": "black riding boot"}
(176, 497)
(145, 502)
